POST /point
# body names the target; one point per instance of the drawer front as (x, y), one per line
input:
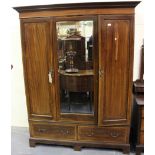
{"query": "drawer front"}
(141, 138)
(142, 125)
(52, 131)
(106, 134)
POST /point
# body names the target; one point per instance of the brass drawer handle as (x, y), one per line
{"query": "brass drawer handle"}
(64, 132)
(114, 134)
(42, 130)
(90, 134)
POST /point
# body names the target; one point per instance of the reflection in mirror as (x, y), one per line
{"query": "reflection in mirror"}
(75, 60)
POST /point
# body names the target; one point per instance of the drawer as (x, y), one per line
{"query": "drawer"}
(142, 124)
(53, 131)
(141, 137)
(103, 134)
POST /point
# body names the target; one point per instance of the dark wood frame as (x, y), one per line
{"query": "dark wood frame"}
(98, 5)
(79, 118)
(137, 117)
(52, 13)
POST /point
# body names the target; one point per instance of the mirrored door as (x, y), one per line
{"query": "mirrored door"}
(75, 58)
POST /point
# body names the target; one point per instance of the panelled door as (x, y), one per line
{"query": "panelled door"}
(38, 64)
(115, 76)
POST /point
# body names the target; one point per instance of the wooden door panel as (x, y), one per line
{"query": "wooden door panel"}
(114, 64)
(37, 51)
(116, 72)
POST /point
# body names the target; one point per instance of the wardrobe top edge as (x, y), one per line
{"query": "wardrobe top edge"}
(90, 5)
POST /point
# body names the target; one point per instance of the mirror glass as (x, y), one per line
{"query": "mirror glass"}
(75, 66)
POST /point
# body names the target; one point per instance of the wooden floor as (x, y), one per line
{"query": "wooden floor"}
(20, 146)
